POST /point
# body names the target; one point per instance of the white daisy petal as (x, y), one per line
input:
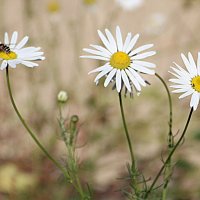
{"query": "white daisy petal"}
(99, 69)
(13, 63)
(119, 39)
(133, 79)
(29, 64)
(22, 42)
(182, 73)
(132, 43)
(95, 57)
(98, 53)
(182, 70)
(192, 63)
(138, 77)
(28, 50)
(181, 86)
(100, 48)
(118, 80)
(142, 69)
(125, 80)
(143, 55)
(4, 64)
(144, 63)
(111, 40)
(34, 58)
(25, 56)
(188, 65)
(105, 41)
(13, 39)
(110, 77)
(189, 92)
(127, 41)
(176, 75)
(102, 73)
(139, 49)
(181, 90)
(194, 100)
(179, 81)
(6, 39)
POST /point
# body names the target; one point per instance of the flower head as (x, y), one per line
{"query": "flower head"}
(188, 81)
(62, 96)
(129, 4)
(12, 53)
(123, 63)
(53, 6)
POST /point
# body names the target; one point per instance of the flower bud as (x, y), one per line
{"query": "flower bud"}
(62, 97)
(74, 118)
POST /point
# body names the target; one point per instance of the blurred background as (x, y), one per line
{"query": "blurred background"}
(62, 28)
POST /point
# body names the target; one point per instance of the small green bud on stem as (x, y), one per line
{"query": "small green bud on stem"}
(62, 97)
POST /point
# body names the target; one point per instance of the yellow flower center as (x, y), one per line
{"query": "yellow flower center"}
(53, 7)
(8, 56)
(196, 83)
(89, 2)
(120, 60)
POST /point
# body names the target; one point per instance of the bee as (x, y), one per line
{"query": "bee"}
(4, 48)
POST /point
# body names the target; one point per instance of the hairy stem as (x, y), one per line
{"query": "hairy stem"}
(170, 155)
(133, 163)
(29, 130)
(168, 170)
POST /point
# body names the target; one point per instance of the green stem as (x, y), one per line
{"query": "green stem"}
(168, 170)
(171, 142)
(133, 163)
(72, 164)
(29, 130)
(170, 155)
(126, 131)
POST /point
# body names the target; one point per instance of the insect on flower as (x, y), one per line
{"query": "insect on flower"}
(13, 53)
(4, 48)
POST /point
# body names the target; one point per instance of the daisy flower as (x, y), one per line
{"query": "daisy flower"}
(129, 4)
(187, 81)
(12, 53)
(122, 62)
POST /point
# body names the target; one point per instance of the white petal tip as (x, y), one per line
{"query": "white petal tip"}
(182, 55)
(194, 108)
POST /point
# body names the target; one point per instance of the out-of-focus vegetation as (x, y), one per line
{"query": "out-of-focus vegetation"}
(62, 28)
